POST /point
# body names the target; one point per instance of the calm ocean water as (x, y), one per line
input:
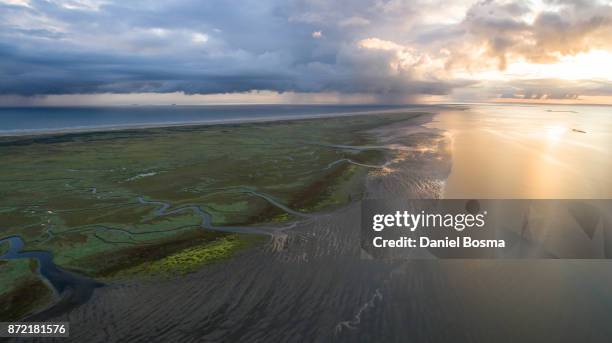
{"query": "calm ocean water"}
(506, 151)
(34, 120)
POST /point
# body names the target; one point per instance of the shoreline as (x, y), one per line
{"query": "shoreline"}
(212, 122)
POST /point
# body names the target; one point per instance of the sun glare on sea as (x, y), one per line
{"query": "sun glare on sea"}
(554, 133)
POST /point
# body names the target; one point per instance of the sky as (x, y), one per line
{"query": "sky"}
(105, 52)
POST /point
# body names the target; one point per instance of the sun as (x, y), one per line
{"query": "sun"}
(593, 65)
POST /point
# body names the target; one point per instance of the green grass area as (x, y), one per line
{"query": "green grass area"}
(76, 195)
(4, 247)
(190, 259)
(21, 290)
(12, 270)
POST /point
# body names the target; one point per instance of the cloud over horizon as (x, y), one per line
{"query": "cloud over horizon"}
(392, 50)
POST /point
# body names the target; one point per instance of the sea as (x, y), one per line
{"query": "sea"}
(33, 120)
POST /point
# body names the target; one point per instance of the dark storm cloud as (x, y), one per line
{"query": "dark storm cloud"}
(392, 49)
(68, 47)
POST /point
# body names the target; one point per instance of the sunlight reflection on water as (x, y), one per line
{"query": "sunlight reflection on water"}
(513, 151)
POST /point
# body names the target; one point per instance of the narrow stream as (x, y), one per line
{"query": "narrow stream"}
(74, 289)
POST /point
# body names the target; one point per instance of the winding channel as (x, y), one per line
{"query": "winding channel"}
(74, 290)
